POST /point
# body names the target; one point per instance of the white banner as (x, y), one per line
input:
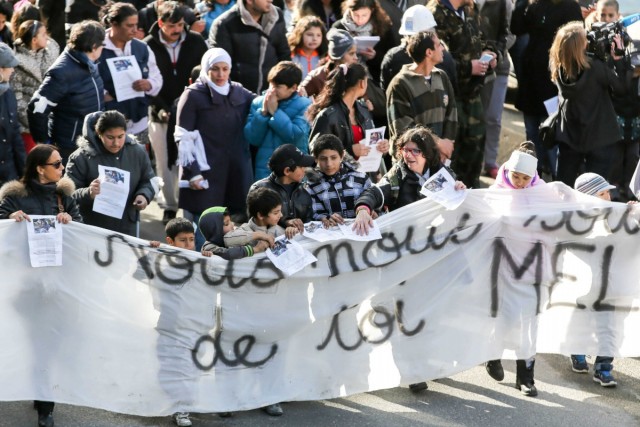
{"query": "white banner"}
(131, 329)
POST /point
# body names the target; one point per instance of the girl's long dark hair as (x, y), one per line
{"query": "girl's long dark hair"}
(380, 21)
(338, 82)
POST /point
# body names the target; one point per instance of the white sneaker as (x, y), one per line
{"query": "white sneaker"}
(182, 419)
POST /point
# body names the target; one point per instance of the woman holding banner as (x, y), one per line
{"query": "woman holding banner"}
(41, 191)
(418, 158)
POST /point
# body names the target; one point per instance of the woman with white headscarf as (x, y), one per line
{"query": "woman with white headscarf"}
(213, 153)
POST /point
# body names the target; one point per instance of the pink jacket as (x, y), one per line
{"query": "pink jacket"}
(502, 180)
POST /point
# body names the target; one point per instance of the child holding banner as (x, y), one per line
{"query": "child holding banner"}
(265, 208)
(594, 185)
(519, 172)
(215, 223)
(334, 185)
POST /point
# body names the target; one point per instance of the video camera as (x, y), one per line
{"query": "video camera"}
(602, 34)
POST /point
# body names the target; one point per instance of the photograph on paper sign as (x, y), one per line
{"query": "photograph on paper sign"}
(437, 184)
(44, 225)
(375, 137)
(113, 176)
(311, 227)
(122, 64)
(280, 247)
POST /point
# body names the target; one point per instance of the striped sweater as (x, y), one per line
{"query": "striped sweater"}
(413, 100)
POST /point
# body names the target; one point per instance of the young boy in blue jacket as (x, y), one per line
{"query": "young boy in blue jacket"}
(278, 116)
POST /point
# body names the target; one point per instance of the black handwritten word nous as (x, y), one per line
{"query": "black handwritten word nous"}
(177, 261)
(391, 244)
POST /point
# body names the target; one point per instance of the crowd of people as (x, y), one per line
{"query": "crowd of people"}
(258, 111)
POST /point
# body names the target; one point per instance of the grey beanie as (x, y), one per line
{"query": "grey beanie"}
(7, 58)
(340, 42)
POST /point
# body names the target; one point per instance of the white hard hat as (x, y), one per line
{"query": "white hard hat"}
(415, 19)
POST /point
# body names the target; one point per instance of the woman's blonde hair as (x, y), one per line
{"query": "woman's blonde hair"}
(568, 53)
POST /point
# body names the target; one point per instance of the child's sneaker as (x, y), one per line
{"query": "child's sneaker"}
(579, 363)
(604, 378)
(182, 419)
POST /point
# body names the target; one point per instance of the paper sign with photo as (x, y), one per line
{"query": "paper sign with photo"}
(124, 71)
(44, 235)
(347, 230)
(289, 256)
(441, 189)
(371, 162)
(114, 191)
(316, 231)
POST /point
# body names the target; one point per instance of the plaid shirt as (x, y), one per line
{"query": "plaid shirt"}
(338, 193)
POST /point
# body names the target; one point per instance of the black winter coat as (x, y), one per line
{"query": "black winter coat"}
(296, 206)
(12, 154)
(220, 121)
(38, 199)
(253, 49)
(82, 168)
(588, 120)
(71, 89)
(541, 21)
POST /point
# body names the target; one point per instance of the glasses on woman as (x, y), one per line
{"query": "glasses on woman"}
(414, 151)
(55, 164)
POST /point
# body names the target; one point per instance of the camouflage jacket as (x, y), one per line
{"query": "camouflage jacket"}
(464, 39)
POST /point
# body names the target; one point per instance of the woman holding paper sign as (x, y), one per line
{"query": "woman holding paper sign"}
(41, 191)
(366, 18)
(339, 111)
(104, 144)
(418, 158)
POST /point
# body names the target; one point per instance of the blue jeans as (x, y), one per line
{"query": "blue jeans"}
(547, 159)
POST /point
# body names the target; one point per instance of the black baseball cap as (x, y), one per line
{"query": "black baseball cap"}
(289, 156)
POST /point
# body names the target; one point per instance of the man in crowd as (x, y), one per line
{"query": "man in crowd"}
(417, 18)
(496, 18)
(148, 16)
(422, 94)
(459, 28)
(177, 51)
(253, 33)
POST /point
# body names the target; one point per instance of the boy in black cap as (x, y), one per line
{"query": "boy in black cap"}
(288, 165)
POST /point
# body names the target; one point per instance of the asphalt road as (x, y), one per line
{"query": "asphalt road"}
(470, 398)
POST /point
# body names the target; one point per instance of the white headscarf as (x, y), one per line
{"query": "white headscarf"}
(213, 56)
